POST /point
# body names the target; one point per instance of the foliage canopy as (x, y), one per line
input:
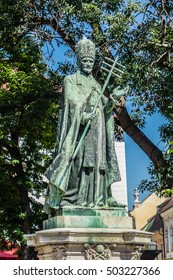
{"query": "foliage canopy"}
(36, 33)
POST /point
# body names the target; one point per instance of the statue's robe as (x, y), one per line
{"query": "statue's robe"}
(85, 180)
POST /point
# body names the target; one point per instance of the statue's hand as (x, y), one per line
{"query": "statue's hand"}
(118, 92)
(86, 117)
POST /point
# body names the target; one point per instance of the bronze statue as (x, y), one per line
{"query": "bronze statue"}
(82, 176)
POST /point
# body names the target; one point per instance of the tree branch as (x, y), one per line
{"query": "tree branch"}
(139, 137)
(54, 24)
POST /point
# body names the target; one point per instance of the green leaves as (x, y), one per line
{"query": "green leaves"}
(140, 33)
(170, 149)
(28, 110)
(161, 179)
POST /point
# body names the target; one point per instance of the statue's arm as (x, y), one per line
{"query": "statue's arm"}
(68, 89)
(73, 96)
(113, 98)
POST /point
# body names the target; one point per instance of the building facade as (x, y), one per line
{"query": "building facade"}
(167, 218)
(147, 217)
(119, 189)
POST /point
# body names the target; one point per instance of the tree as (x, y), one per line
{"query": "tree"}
(140, 33)
(28, 110)
(150, 50)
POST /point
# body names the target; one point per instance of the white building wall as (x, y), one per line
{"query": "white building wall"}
(119, 189)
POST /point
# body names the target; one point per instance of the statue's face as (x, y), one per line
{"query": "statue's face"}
(86, 65)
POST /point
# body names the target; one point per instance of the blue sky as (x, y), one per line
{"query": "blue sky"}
(137, 161)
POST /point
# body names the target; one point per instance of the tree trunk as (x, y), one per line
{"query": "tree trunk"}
(154, 154)
(139, 137)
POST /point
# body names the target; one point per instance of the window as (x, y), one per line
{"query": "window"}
(171, 237)
(166, 240)
(162, 252)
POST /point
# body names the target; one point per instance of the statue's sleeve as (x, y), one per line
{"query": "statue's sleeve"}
(59, 171)
(71, 92)
(75, 99)
(108, 104)
(68, 89)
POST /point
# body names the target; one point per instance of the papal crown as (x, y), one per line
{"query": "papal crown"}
(85, 48)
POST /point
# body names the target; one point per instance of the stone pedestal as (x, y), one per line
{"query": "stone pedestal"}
(89, 234)
(77, 217)
(89, 243)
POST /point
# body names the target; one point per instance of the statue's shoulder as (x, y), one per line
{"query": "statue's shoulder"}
(70, 78)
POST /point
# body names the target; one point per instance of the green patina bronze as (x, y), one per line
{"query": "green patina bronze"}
(85, 164)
